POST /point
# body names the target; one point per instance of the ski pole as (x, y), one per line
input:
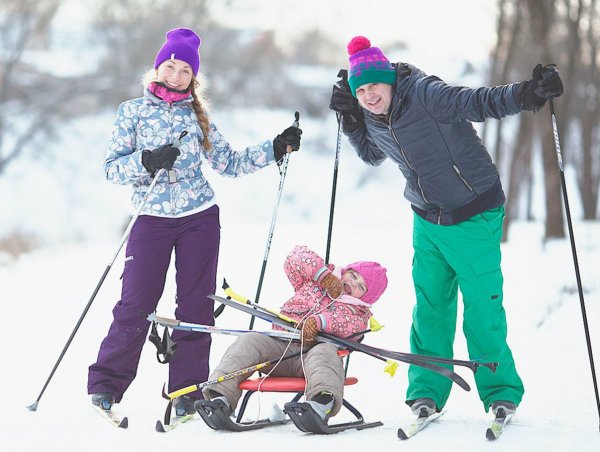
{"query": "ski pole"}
(34, 405)
(574, 252)
(343, 74)
(282, 174)
(274, 317)
(263, 313)
(390, 368)
(231, 375)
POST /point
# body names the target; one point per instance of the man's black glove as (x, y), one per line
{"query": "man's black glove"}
(545, 84)
(290, 136)
(162, 157)
(344, 103)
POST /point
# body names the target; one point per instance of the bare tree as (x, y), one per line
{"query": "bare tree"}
(542, 19)
(238, 63)
(587, 162)
(130, 34)
(520, 170)
(564, 32)
(31, 97)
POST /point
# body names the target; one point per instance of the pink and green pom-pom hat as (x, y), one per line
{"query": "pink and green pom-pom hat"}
(368, 65)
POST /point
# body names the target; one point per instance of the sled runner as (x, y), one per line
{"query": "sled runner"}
(216, 416)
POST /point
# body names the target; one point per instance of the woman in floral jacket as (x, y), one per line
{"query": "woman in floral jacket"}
(335, 300)
(166, 134)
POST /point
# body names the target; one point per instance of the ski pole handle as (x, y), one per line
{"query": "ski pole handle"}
(231, 294)
(295, 124)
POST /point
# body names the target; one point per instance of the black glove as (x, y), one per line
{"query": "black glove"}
(290, 136)
(545, 84)
(344, 103)
(162, 157)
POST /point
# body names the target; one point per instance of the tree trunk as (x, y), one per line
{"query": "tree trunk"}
(520, 170)
(495, 58)
(588, 171)
(541, 14)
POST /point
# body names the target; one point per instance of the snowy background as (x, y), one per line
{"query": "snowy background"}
(61, 198)
(45, 291)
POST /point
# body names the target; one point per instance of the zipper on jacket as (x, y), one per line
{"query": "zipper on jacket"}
(408, 162)
(462, 178)
(171, 196)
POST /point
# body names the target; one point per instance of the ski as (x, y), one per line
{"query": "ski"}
(175, 324)
(289, 324)
(112, 418)
(307, 420)
(175, 422)
(497, 427)
(417, 425)
(214, 413)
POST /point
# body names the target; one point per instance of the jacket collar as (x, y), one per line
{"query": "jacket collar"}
(152, 98)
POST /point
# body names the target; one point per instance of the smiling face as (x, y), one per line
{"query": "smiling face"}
(353, 284)
(176, 74)
(375, 97)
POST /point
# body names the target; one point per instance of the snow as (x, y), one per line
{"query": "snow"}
(60, 197)
(45, 292)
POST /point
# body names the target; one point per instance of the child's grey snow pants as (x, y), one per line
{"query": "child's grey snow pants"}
(321, 366)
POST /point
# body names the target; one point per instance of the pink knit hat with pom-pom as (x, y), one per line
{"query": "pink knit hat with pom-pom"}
(368, 64)
(375, 279)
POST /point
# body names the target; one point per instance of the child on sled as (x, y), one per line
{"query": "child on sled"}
(335, 300)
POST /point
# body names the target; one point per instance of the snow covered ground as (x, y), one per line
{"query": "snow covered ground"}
(60, 197)
(44, 293)
(80, 217)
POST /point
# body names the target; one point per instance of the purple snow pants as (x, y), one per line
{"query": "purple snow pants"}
(196, 242)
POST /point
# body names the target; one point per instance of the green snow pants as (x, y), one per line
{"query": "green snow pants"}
(465, 256)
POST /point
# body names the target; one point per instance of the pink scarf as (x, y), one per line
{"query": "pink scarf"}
(167, 94)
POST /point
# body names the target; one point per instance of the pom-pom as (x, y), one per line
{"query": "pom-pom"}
(357, 44)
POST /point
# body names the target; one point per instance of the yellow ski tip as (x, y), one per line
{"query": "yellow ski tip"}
(374, 324)
(391, 367)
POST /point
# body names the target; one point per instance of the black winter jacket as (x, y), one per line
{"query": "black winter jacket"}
(449, 174)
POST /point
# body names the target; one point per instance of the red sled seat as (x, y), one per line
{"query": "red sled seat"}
(282, 384)
(295, 385)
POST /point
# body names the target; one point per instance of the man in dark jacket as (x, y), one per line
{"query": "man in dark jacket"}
(424, 126)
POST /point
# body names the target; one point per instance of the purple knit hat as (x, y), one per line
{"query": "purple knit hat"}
(374, 276)
(368, 64)
(181, 44)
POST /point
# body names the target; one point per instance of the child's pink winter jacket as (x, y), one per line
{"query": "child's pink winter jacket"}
(342, 317)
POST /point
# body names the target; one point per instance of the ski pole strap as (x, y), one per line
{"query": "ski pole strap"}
(167, 416)
(165, 346)
(218, 311)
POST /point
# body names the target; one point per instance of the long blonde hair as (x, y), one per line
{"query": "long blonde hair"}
(199, 104)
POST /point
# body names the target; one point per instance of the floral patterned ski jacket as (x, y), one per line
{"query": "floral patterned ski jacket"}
(149, 122)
